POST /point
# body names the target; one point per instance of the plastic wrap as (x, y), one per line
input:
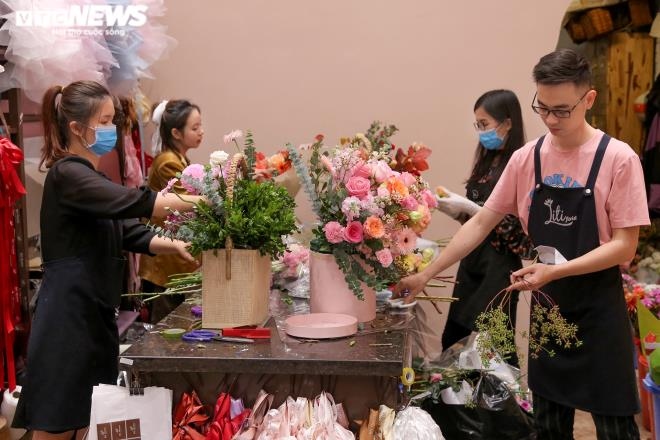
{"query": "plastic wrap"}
(416, 424)
(495, 409)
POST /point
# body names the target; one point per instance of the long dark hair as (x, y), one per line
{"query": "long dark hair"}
(500, 105)
(78, 102)
(175, 116)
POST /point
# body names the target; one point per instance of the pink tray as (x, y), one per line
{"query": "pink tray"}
(321, 325)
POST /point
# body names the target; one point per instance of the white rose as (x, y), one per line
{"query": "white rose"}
(218, 158)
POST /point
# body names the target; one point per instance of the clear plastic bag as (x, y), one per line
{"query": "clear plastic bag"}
(416, 424)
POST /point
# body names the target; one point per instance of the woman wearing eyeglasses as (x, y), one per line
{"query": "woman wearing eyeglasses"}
(486, 270)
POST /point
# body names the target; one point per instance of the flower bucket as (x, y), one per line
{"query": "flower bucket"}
(235, 292)
(329, 292)
(645, 397)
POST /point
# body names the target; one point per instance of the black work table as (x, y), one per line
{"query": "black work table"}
(361, 375)
(380, 348)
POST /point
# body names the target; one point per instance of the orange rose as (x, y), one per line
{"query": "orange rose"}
(396, 186)
(374, 227)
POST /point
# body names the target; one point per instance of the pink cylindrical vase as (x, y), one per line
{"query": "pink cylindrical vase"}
(329, 293)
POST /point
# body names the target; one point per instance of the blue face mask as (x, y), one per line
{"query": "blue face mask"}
(106, 140)
(490, 139)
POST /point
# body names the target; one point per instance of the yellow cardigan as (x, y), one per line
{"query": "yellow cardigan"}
(156, 269)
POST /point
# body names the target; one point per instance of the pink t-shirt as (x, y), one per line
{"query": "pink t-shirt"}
(620, 194)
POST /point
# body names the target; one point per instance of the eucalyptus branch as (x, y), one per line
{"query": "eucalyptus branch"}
(305, 178)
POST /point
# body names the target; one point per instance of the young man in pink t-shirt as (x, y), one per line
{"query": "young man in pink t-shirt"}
(582, 193)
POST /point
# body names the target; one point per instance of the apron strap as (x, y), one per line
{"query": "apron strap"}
(595, 166)
(537, 164)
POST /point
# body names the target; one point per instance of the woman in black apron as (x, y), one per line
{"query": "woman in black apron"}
(485, 271)
(86, 223)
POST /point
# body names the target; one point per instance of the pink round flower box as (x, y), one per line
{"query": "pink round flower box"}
(321, 325)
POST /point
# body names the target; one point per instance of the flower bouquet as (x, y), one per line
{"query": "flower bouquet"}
(238, 228)
(370, 206)
(639, 293)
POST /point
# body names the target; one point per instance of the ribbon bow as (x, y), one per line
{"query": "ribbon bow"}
(224, 426)
(189, 417)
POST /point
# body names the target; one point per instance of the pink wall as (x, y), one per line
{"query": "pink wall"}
(291, 69)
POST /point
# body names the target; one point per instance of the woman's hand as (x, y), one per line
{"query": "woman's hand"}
(532, 277)
(182, 249)
(162, 245)
(454, 205)
(409, 287)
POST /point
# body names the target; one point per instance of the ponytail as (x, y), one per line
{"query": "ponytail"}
(55, 135)
(77, 102)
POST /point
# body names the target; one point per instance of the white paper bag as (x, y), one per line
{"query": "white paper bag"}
(118, 415)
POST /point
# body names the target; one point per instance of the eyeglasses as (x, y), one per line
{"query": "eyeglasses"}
(483, 126)
(557, 113)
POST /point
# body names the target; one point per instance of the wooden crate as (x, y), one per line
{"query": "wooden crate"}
(629, 74)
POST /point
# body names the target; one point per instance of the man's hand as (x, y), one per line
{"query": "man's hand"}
(532, 277)
(409, 287)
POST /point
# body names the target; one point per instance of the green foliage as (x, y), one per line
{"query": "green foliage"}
(548, 329)
(379, 136)
(259, 216)
(250, 152)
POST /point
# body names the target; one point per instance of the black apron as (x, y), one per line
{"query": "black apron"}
(483, 273)
(74, 326)
(598, 376)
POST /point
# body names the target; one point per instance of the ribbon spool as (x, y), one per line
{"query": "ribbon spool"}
(173, 333)
(408, 376)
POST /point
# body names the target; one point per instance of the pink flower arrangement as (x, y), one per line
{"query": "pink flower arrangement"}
(368, 211)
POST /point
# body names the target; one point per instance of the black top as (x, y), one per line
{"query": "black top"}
(86, 222)
(79, 204)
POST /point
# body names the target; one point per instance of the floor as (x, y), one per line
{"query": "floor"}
(584, 428)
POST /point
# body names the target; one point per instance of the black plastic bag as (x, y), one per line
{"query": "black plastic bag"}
(495, 415)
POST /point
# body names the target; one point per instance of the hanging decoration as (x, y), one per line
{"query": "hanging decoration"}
(113, 42)
(11, 190)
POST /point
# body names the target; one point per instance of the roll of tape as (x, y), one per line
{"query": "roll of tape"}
(173, 333)
(408, 376)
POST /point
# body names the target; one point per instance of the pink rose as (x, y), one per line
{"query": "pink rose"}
(435, 377)
(409, 203)
(334, 232)
(358, 186)
(429, 198)
(384, 257)
(407, 178)
(353, 232)
(361, 170)
(381, 171)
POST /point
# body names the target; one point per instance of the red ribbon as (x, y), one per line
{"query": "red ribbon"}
(189, 418)
(223, 426)
(11, 190)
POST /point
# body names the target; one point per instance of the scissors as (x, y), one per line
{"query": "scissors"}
(208, 335)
